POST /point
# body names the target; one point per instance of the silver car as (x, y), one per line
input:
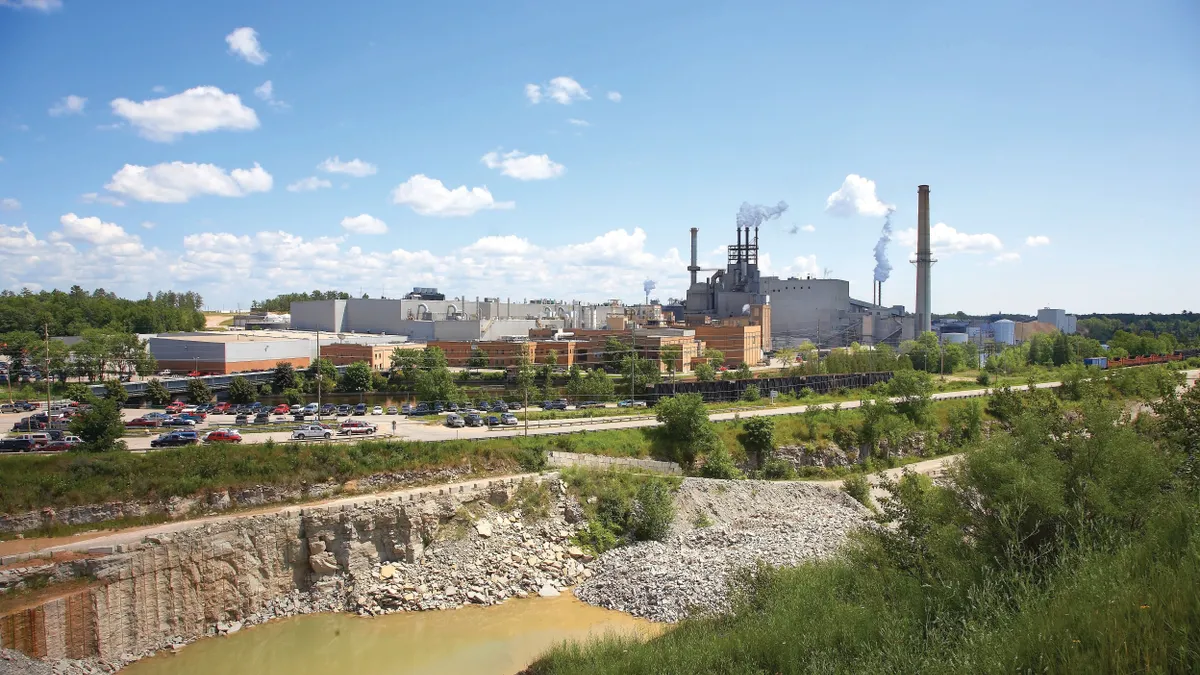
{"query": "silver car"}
(311, 431)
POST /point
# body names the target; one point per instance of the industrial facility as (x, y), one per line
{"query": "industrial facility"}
(796, 310)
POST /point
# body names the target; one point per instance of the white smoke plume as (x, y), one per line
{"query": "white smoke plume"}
(649, 285)
(753, 215)
(883, 268)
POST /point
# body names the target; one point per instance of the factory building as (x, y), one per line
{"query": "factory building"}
(1058, 318)
(378, 356)
(225, 353)
(796, 310)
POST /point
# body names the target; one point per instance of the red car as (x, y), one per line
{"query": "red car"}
(282, 409)
(175, 408)
(143, 422)
(223, 436)
(221, 408)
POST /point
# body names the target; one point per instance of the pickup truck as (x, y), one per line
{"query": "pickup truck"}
(356, 427)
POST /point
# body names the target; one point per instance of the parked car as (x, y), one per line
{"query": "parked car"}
(584, 405)
(406, 409)
(293, 409)
(282, 409)
(262, 418)
(419, 410)
(508, 419)
(377, 410)
(515, 405)
(175, 439)
(627, 403)
(492, 421)
(243, 418)
(222, 408)
(145, 422)
(17, 445)
(344, 409)
(223, 436)
(37, 437)
(452, 407)
(312, 431)
(438, 408)
(311, 409)
(499, 407)
(299, 416)
(554, 405)
(360, 409)
(328, 409)
(356, 427)
(454, 421)
(392, 410)
(156, 416)
(194, 417)
(174, 408)
(9, 408)
(473, 420)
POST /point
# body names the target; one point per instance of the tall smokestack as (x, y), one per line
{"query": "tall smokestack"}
(693, 268)
(924, 262)
(746, 256)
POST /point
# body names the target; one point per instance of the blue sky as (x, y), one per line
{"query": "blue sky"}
(1068, 123)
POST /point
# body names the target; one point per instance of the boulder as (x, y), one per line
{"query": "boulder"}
(574, 551)
(323, 563)
(549, 591)
(484, 528)
(387, 572)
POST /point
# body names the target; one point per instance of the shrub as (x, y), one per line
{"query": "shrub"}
(778, 469)
(758, 438)
(966, 423)
(859, 488)
(115, 392)
(651, 519)
(751, 393)
(719, 464)
(984, 378)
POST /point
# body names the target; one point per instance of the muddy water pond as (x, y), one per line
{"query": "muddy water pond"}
(497, 640)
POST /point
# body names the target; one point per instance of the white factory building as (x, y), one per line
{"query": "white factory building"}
(1058, 318)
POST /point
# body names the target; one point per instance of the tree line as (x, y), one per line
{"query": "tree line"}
(74, 311)
(282, 303)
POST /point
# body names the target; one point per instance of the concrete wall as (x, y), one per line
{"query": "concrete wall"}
(177, 350)
(807, 308)
(263, 350)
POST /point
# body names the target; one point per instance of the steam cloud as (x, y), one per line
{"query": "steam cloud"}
(753, 215)
(883, 268)
(649, 285)
(794, 229)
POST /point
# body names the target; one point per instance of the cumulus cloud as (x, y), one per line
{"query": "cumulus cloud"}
(243, 43)
(177, 182)
(946, 240)
(39, 5)
(523, 167)
(355, 167)
(562, 89)
(266, 91)
(364, 224)
(578, 122)
(85, 251)
(69, 105)
(309, 184)
(95, 198)
(1007, 257)
(856, 196)
(149, 225)
(194, 111)
(9, 204)
(801, 266)
(1037, 240)
(614, 96)
(429, 197)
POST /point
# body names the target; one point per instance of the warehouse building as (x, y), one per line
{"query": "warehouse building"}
(224, 353)
(378, 356)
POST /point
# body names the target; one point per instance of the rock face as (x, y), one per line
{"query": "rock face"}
(777, 523)
(216, 578)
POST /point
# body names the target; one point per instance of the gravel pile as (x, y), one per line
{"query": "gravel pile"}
(740, 522)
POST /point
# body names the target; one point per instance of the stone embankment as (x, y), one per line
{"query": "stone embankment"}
(720, 527)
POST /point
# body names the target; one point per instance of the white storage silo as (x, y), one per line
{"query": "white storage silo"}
(954, 338)
(1005, 332)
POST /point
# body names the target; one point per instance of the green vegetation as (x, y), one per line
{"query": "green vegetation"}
(156, 392)
(622, 506)
(100, 427)
(859, 488)
(241, 390)
(283, 303)
(1082, 555)
(198, 391)
(74, 312)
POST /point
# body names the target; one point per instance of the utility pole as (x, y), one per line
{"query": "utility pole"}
(46, 374)
(632, 361)
(526, 411)
(318, 376)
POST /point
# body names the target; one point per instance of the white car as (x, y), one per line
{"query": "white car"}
(311, 431)
(377, 410)
(508, 418)
(311, 409)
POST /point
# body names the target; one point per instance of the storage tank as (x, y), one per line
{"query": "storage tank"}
(954, 338)
(1005, 332)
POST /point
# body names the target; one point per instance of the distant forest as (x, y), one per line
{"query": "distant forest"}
(73, 312)
(283, 303)
(1185, 327)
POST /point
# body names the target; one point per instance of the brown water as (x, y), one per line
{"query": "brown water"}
(498, 640)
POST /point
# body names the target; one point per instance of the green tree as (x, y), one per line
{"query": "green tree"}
(598, 385)
(672, 358)
(965, 423)
(914, 389)
(758, 439)
(615, 351)
(716, 357)
(652, 520)
(526, 380)
(284, 377)
(719, 464)
(80, 393)
(100, 427)
(479, 358)
(157, 393)
(241, 390)
(322, 372)
(751, 393)
(357, 377)
(645, 373)
(743, 372)
(434, 357)
(705, 372)
(293, 396)
(198, 391)
(686, 427)
(1061, 351)
(115, 391)
(552, 358)
(405, 362)
(437, 385)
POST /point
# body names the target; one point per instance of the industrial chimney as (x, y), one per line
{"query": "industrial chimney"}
(693, 268)
(924, 319)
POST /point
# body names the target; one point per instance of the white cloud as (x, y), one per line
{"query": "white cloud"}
(309, 184)
(946, 240)
(1037, 240)
(429, 197)
(40, 5)
(1007, 257)
(578, 122)
(158, 89)
(801, 267)
(9, 204)
(243, 43)
(94, 198)
(149, 225)
(69, 105)
(177, 182)
(194, 111)
(614, 96)
(364, 224)
(109, 127)
(355, 167)
(266, 91)
(809, 228)
(562, 89)
(85, 251)
(90, 229)
(856, 196)
(524, 167)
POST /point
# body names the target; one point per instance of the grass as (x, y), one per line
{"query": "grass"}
(1083, 557)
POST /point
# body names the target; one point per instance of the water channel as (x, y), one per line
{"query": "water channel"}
(497, 640)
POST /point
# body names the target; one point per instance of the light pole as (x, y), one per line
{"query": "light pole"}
(318, 376)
